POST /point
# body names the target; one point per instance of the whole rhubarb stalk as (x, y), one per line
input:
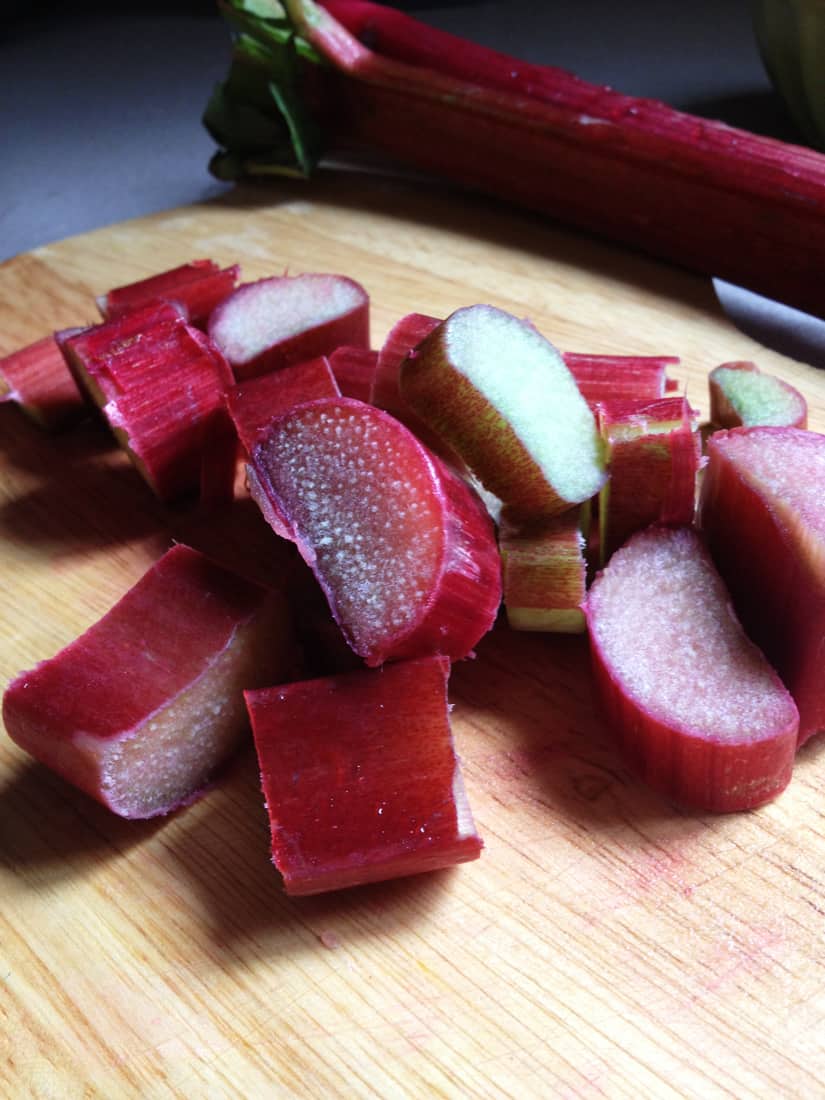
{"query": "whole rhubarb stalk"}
(699, 193)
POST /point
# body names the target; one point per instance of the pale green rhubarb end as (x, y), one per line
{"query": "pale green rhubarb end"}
(741, 395)
(499, 394)
(544, 574)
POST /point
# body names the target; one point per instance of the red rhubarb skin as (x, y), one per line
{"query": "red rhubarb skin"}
(254, 404)
(161, 382)
(154, 644)
(352, 327)
(693, 771)
(357, 772)
(198, 286)
(689, 767)
(39, 380)
(611, 377)
(775, 575)
(403, 338)
(632, 169)
(652, 476)
(464, 592)
(354, 370)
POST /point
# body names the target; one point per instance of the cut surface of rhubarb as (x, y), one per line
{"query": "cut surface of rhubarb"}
(501, 396)
(360, 776)
(402, 547)
(143, 707)
(274, 322)
(741, 395)
(762, 513)
(694, 703)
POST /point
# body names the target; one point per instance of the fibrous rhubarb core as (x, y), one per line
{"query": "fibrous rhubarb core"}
(662, 617)
(359, 491)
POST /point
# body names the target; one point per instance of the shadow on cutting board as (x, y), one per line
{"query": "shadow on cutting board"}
(50, 831)
(222, 848)
(444, 207)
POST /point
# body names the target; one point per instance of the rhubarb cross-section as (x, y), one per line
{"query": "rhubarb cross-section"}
(402, 547)
(694, 704)
(145, 706)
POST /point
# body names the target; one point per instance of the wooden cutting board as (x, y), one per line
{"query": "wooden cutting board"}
(604, 945)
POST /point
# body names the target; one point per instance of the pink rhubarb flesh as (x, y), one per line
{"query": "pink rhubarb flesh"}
(143, 708)
(741, 395)
(695, 705)
(762, 513)
(403, 548)
(275, 322)
(360, 777)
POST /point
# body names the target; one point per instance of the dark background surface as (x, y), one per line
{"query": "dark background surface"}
(101, 103)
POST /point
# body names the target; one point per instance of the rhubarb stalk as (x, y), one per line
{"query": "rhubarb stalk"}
(699, 193)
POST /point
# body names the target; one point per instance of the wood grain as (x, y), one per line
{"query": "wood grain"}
(606, 945)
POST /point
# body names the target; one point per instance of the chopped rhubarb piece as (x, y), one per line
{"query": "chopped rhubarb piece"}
(38, 380)
(402, 339)
(254, 404)
(360, 777)
(142, 709)
(501, 396)
(544, 574)
(700, 193)
(161, 390)
(276, 322)
(402, 547)
(198, 286)
(354, 370)
(762, 512)
(740, 394)
(694, 704)
(653, 460)
(620, 377)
